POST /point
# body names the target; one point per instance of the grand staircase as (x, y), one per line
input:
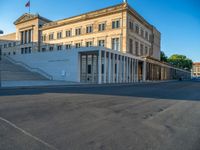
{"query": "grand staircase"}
(11, 71)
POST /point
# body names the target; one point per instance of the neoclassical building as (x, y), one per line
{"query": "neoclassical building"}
(110, 45)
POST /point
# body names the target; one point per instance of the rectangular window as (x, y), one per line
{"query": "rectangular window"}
(9, 44)
(137, 29)
(89, 44)
(141, 49)
(142, 33)
(146, 35)
(51, 36)
(51, 48)
(59, 35)
(115, 24)
(131, 25)
(22, 50)
(78, 31)
(59, 47)
(68, 33)
(44, 38)
(136, 48)
(131, 46)
(68, 46)
(5, 45)
(146, 50)
(102, 27)
(78, 45)
(115, 44)
(101, 43)
(89, 29)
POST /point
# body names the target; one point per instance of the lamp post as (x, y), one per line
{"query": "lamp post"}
(1, 32)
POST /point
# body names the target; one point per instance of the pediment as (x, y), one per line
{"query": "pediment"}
(24, 18)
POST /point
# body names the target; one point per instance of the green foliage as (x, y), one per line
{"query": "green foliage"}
(163, 57)
(180, 61)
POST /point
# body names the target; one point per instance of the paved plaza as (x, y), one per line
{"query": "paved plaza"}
(142, 116)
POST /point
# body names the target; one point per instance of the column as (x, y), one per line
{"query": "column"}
(144, 71)
(105, 66)
(113, 75)
(99, 67)
(136, 70)
(124, 70)
(132, 75)
(117, 72)
(109, 67)
(127, 69)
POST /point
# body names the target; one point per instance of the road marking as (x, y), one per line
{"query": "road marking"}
(28, 134)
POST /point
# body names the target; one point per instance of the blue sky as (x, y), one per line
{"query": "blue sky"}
(177, 20)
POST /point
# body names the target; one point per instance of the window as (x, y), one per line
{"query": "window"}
(89, 44)
(146, 50)
(5, 45)
(51, 37)
(78, 31)
(14, 43)
(68, 46)
(22, 50)
(115, 44)
(89, 69)
(131, 46)
(102, 27)
(44, 38)
(137, 29)
(150, 51)
(78, 45)
(141, 49)
(59, 47)
(101, 43)
(131, 25)
(142, 33)
(146, 35)
(115, 24)
(136, 48)
(9, 44)
(68, 33)
(51, 48)
(89, 29)
(59, 35)
(43, 49)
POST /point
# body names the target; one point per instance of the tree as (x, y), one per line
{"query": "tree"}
(163, 57)
(180, 61)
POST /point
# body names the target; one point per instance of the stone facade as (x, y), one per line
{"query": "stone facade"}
(110, 45)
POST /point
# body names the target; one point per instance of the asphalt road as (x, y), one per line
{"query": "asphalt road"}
(159, 116)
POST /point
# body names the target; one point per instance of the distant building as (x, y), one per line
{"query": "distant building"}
(196, 69)
(110, 45)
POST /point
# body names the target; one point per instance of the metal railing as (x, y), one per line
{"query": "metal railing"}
(36, 70)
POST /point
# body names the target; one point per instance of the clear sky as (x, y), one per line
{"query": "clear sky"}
(177, 20)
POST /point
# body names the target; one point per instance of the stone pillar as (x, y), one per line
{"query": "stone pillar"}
(99, 67)
(132, 75)
(109, 67)
(127, 69)
(144, 71)
(136, 70)
(105, 66)
(117, 72)
(124, 70)
(113, 68)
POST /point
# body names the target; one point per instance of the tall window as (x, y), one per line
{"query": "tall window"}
(59, 35)
(68, 33)
(115, 44)
(89, 29)
(59, 47)
(78, 45)
(78, 31)
(44, 38)
(68, 46)
(131, 25)
(146, 50)
(146, 35)
(136, 48)
(101, 43)
(102, 27)
(141, 49)
(51, 36)
(137, 29)
(89, 44)
(116, 24)
(142, 32)
(131, 46)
